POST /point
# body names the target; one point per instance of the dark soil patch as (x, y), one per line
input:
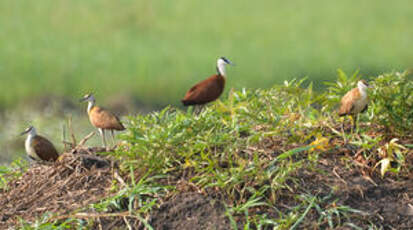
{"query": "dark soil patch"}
(386, 203)
(190, 211)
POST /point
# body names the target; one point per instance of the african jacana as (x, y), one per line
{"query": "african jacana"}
(101, 118)
(209, 89)
(39, 148)
(355, 101)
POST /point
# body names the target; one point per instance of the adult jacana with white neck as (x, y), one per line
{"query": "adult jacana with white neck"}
(209, 89)
(38, 148)
(102, 119)
(355, 101)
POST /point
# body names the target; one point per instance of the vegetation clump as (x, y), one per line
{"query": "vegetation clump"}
(274, 159)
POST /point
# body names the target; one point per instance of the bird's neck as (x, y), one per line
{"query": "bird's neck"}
(362, 89)
(221, 69)
(90, 106)
(31, 135)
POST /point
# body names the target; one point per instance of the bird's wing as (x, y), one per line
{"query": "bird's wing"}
(44, 149)
(105, 119)
(347, 104)
(194, 88)
(204, 91)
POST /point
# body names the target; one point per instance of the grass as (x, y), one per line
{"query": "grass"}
(224, 150)
(140, 47)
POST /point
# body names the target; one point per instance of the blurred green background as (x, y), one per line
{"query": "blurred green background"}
(148, 53)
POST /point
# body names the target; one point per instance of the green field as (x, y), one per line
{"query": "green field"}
(155, 50)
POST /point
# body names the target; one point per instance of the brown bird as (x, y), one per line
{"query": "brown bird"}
(355, 101)
(209, 89)
(102, 119)
(39, 148)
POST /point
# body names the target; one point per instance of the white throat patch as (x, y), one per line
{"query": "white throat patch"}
(221, 67)
(28, 144)
(362, 88)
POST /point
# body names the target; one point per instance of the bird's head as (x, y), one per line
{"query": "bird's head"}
(363, 84)
(225, 61)
(221, 63)
(29, 129)
(87, 97)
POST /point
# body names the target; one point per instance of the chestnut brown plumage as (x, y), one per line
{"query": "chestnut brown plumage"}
(355, 101)
(205, 91)
(102, 119)
(39, 148)
(209, 89)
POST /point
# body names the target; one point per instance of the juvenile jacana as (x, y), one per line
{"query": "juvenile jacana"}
(102, 119)
(209, 89)
(355, 101)
(39, 148)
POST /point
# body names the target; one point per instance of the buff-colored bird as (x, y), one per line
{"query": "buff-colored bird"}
(355, 101)
(102, 119)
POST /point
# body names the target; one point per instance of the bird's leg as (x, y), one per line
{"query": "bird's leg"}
(104, 140)
(343, 121)
(196, 110)
(102, 133)
(113, 137)
(355, 126)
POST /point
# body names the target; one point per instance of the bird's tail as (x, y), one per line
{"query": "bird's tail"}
(185, 102)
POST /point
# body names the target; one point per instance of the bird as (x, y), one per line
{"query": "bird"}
(209, 89)
(355, 101)
(102, 119)
(39, 148)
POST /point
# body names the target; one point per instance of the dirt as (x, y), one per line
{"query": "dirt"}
(71, 183)
(190, 211)
(387, 202)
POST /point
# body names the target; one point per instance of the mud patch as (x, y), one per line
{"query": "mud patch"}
(189, 211)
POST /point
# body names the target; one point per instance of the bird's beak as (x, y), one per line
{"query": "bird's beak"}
(82, 99)
(231, 63)
(24, 132)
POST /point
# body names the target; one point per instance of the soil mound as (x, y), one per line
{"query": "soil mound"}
(72, 182)
(190, 211)
(341, 180)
